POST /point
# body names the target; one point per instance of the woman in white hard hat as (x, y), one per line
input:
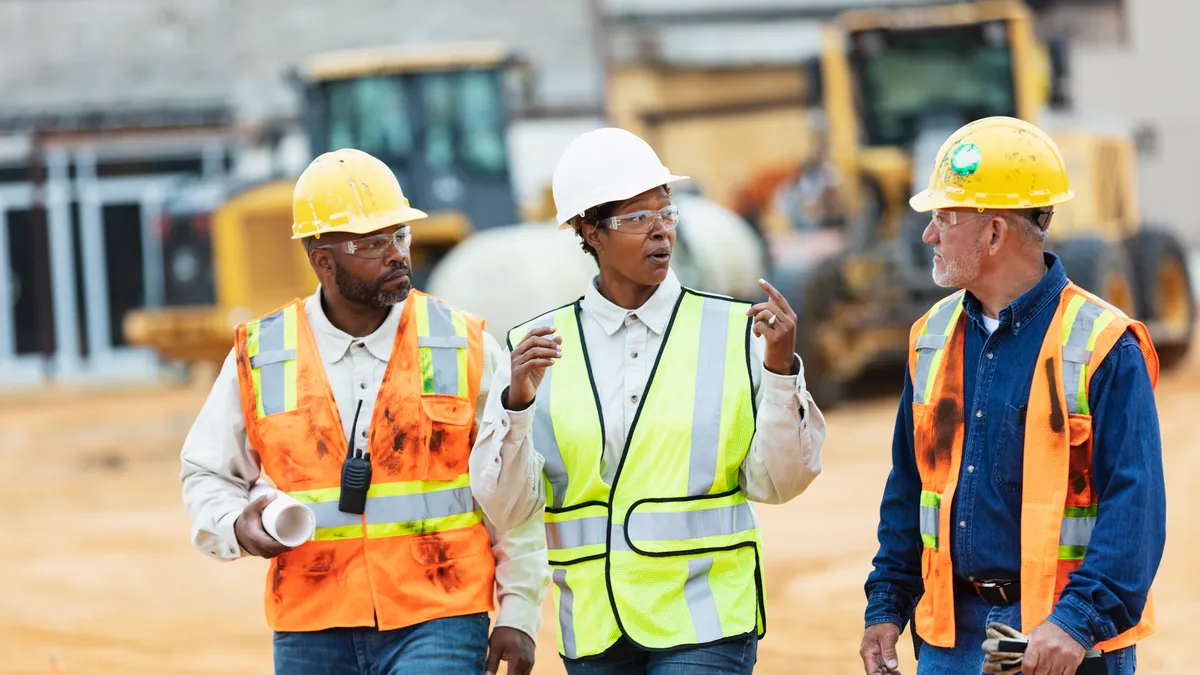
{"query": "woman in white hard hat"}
(665, 413)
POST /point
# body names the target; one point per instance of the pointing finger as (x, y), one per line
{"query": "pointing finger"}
(775, 295)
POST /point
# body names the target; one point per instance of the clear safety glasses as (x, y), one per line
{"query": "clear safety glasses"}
(641, 222)
(375, 246)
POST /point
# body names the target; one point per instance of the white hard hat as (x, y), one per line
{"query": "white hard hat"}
(602, 166)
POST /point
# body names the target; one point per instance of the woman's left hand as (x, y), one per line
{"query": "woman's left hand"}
(775, 321)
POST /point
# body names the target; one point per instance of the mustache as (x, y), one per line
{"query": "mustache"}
(396, 269)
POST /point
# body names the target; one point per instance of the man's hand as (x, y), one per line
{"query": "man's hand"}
(1052, 651)
(248, 529)
(513, 647)
(536, 352)
(775, 320)
(878, 649)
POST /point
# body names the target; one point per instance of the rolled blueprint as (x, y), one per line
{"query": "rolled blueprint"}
(287, 521)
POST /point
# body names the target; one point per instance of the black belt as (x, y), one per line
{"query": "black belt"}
(993, 591)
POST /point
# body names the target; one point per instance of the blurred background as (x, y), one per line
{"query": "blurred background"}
(148, 150)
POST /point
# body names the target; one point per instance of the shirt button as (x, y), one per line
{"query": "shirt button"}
(971, 578)
(989, 355)
(362, 385)
(1017, 324)
(971, 469)
(358, 344)
(633, 354)
(633, 399)
(364, 434)
(962, 524)
(979, 413)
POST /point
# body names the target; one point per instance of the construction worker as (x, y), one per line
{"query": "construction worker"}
(1027, 482)
(361, 402)
(665, 411)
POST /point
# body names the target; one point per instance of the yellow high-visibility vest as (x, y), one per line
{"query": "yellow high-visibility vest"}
(669, 555)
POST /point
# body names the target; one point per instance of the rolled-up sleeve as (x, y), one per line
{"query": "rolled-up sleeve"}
(785, 455)
(218, 468)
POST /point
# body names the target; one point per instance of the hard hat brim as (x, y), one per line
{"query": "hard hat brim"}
(928, 200)
(564, 219)
(378, 222)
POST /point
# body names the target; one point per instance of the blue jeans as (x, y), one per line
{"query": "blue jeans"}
(452, 645)
(736, 657)
(971, 617)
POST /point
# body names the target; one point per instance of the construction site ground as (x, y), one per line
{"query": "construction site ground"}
(98, 570)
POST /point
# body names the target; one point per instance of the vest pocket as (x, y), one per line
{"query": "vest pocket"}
(438, 547)
(1009, 463)
(446, 429)
(288, 451)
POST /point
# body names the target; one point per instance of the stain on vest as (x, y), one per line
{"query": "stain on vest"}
(432, 549)
(447, 576)
(277, 576)
(1057, 419)
(436, 438)
(319, 569)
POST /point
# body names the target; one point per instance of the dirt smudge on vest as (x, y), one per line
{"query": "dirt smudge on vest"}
(1079, 482)
(436, 439)
(322, 448)
(1058, 420)
(277, 571)
(946, 418)
(393, 462)
(446, 575)
(320, 566)
(432, 549)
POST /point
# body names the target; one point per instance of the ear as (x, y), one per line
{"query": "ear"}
(321, 261)
(591, 234)
(999, 231)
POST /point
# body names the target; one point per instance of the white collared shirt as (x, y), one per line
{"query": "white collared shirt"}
(784, 457)
(218, 467)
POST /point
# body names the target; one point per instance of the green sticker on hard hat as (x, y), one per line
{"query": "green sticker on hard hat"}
(965, 159)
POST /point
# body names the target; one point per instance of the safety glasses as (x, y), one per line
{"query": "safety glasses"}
(641, 222)
(375, 246)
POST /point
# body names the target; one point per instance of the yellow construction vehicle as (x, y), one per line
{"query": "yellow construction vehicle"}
(437, 114)
(896, 83)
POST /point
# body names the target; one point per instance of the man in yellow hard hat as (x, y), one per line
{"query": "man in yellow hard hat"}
(1027, 481)
(360, 402)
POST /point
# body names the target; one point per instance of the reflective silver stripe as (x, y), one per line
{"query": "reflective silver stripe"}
(328, 515)
(1077, 355)
(700, 601)
(573, 533)
(544, 441)
(724, 520)
(442, 342)
(937, 324)
(1076, 531)
(420, 506)
(445, 361)
(566, 615)
(271, 375)
(929, 521)
(710, 391)
(274, 356)
(931, 341)
(1077, 339)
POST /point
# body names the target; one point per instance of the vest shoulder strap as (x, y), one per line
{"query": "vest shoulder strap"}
(1091, 327)
(929, 336)
(516, 333)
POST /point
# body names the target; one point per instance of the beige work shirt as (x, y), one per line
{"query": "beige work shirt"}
(784, 456)
(219, 467)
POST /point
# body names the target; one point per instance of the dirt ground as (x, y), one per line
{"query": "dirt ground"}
(98, 570)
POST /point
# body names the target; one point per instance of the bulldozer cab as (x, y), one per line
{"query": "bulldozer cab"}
(436, 114)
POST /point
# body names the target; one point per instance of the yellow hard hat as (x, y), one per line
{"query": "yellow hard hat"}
(996, 163)
(348, 190)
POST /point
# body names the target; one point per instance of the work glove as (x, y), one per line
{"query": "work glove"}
(1003, 649)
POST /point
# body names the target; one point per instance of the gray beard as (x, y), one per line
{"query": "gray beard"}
(372, 295)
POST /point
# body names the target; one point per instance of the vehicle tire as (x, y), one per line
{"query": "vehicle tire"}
(1101, 268)
(1163, 292)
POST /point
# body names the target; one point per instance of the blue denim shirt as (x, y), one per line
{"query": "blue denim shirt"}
(1107, 594)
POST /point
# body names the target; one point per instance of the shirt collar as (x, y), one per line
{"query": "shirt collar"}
(337, 341)
(1022, 311)
(655, 312)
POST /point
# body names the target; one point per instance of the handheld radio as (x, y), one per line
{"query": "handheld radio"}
(356, 474)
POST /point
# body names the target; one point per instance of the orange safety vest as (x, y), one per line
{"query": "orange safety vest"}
(420, 551)
(1058, 502)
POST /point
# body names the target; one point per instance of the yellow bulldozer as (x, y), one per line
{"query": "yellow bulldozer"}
(895, 84)
(437, 114)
